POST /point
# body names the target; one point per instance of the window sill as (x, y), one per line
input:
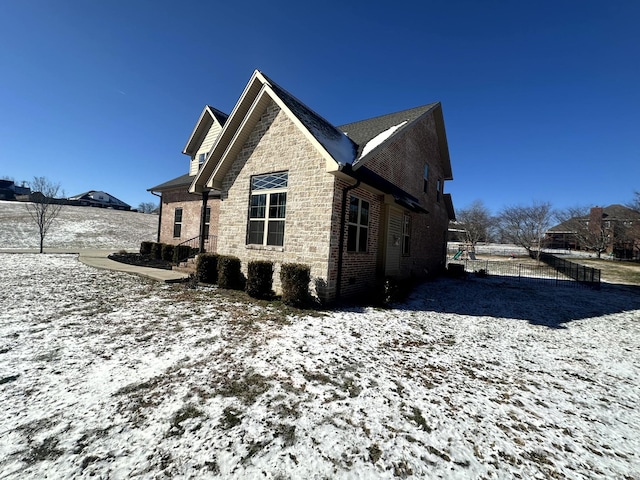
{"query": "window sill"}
(270, 248)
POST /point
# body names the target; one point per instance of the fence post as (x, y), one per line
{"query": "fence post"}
(519, 268)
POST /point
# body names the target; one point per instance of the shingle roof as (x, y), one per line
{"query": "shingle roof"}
(220, 115)
(341, 147)
(181, 181)
(366, 130)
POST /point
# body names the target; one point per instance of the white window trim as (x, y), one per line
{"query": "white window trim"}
(266, 219)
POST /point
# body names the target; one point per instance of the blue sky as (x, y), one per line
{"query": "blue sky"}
(541, 99)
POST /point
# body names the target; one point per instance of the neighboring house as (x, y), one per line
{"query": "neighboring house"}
(95, 198)
(9, 190)
(614, 230)
(185, 217)
(357, 203)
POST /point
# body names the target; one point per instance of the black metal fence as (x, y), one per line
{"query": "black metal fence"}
(555, 272)
(584, 275)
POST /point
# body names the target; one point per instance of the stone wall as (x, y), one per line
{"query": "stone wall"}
(276, 145)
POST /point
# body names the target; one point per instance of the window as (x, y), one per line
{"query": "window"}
(425, 179)
(406, 235)
(267, 209)
(207, 222)
(177, 223)
(438, 190)
(201, 158)
(358, 226)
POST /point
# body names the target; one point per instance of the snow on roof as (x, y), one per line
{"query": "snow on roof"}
(380, 138)
(336, 143)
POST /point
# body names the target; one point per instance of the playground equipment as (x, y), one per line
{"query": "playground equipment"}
(466, 249)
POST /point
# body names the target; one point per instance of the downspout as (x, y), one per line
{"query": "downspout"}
(343, 220)
(159, 213)
(203, 214)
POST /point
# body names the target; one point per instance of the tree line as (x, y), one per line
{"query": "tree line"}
(526, 225)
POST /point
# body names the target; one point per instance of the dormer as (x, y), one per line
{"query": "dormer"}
(203, 137)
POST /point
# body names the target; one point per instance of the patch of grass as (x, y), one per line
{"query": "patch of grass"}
(47, 450)
(10, 378)
(374, 453)
(185, 413)
(416, 416)
(247, 388)
(230, 418)
(438, 453)
(286, 433)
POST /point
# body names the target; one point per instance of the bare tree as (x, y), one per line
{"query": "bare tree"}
(588, 233)
(43, 208)
(147, 207)
(526, 225)
(635, 203)
(476, 221)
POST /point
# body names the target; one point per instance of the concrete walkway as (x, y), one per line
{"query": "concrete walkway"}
(98, 258)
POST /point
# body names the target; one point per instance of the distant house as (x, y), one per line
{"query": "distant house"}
(9, 190)
(276, 181)
(96, 198)
(613, 230)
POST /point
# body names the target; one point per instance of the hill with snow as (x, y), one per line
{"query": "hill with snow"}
(76, 227)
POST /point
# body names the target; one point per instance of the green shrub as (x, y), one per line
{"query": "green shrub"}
(167, 252)
(207, 268)
(229, 274)
(181, 253)
(145, 248)
(295, 278)
(260, 278)
(156, 250)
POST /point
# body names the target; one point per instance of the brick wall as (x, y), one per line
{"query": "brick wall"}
(191, 214)
(276, 145)
(403, 164)
(359, 269)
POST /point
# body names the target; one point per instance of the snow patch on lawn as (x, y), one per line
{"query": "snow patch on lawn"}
(76, 228)
(106, 375)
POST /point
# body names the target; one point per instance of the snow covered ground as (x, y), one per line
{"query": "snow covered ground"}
(106, 375)
(76, 228)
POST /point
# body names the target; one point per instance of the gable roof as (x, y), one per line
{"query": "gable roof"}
(344, 148)
(375, 132)
(207, 118)
(364, 131)
(89, 196)
(333, 145)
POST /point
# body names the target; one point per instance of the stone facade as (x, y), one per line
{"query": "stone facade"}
(314, 207)
(276, 145)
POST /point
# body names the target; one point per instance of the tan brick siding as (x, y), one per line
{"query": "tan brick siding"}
(276, 144)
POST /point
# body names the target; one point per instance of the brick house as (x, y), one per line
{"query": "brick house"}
(612, 230)
(357, 203)
(186, 217)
